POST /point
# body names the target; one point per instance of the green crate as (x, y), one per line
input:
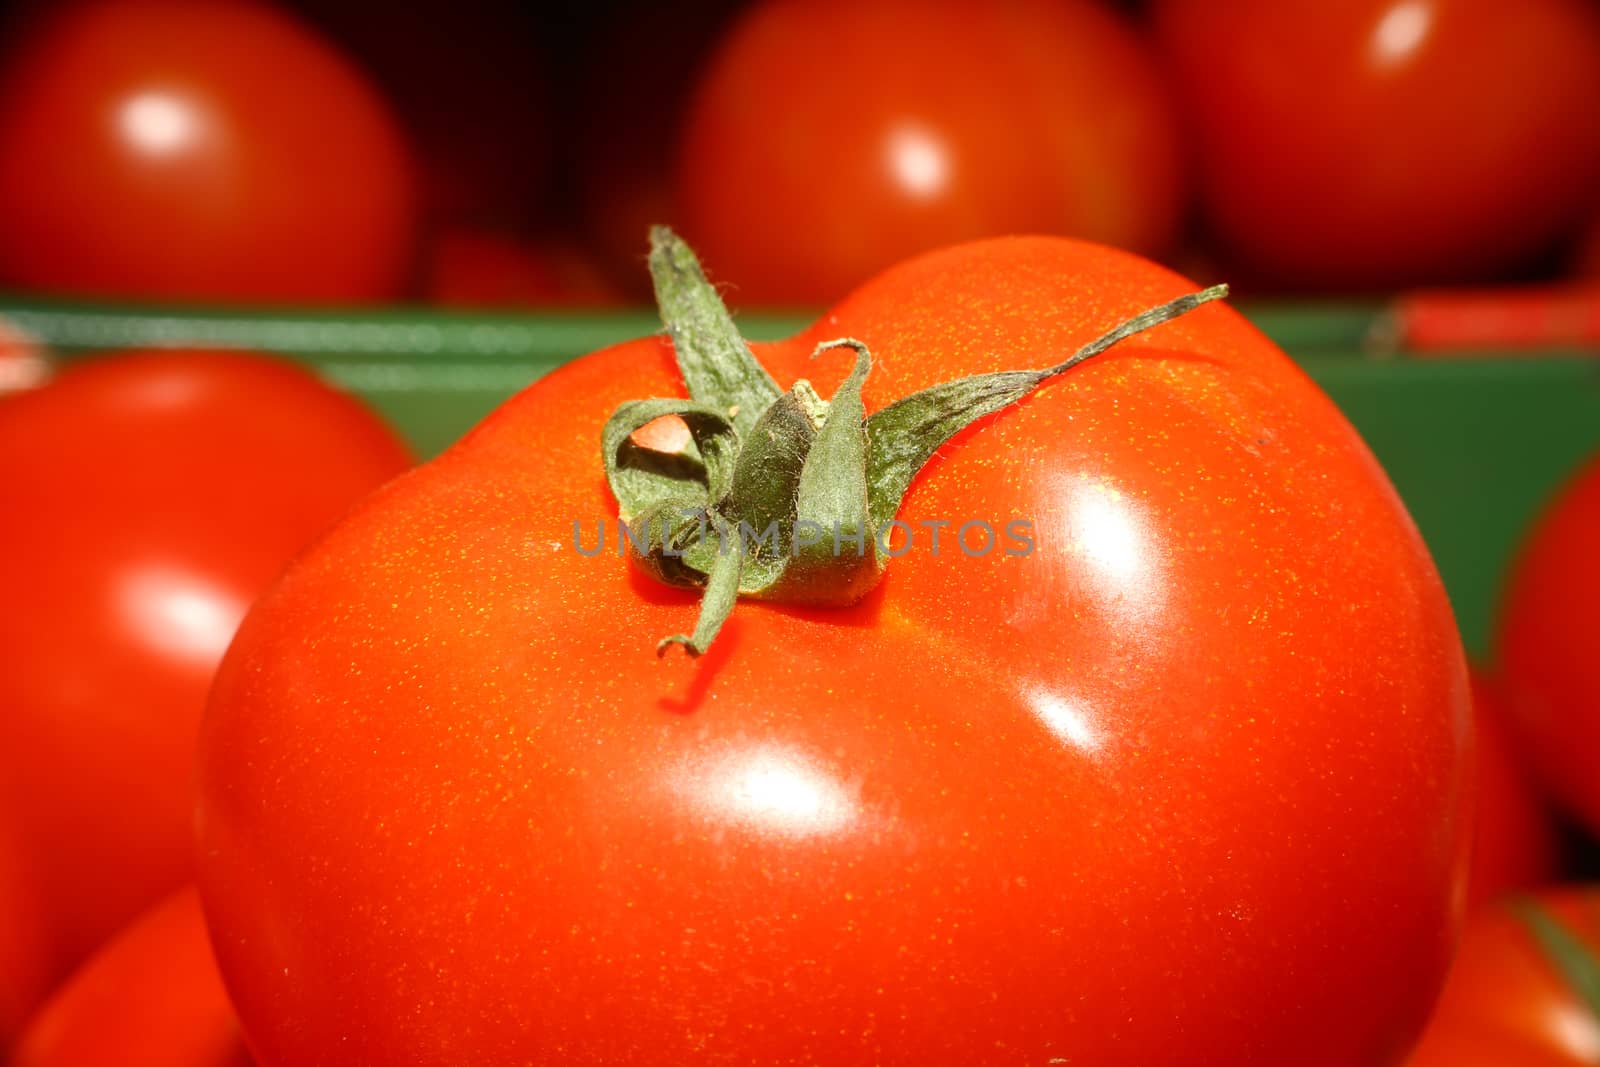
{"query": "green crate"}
(1474, 445)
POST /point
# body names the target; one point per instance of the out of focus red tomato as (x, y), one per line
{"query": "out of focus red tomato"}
(150, 998)
(1549, 646)
(479, 268)
(148, 499)
(1514, 845)
(190, 150)
(1372, 143)
(1508, 1002)
(829, 139)
(636, 78)
(1465, 1046)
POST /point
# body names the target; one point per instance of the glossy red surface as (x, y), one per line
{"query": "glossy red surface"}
(1505, 1005)
(150, 998)
(826, 141)
(1548, 636)
(148, 499)
(187, 150)
(1183, 786)
(1377, 143)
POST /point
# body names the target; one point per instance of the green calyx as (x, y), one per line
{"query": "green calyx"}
(783, 495)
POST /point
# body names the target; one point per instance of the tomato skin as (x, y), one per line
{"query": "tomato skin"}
(1381, 143)
(1504, 1004)
(1514, 842)
(151, 998)
(965, 821)
(826, 141)
(153, 496)
(1546, 642)
(156, 150)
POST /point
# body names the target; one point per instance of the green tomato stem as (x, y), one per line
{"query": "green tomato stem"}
(763, 469)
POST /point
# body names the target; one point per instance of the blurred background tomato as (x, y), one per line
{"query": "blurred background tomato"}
(1516, 845)
(181, 149)
(470, 268)
(150, 497)
(1364, 144)
(1523, 990)
(151, 997)
(331, 151)
(1549, 646)
(825, 141)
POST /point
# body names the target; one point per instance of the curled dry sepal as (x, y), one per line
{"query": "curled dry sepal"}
(767, 485)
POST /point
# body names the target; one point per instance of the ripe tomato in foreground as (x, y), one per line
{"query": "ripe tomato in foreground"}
(151, 998)
(1524, 990)
(853, 133)
(187, 150)
(1379, 143)
(149, 498)
(1181, 785)
(1548, 635)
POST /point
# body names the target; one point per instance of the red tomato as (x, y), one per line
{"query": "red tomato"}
(1379, 143)
(149, 498)
(827, 140)
(1507, 1002)
(1547, 639)
(150, 998)
(479, 268)
(1183, 786)
(1514, 843)
(187, 150)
